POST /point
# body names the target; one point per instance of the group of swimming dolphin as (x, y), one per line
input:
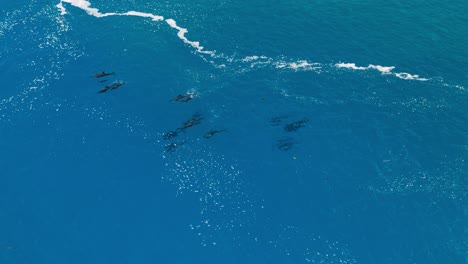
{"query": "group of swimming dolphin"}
(287, 143)
(193, 121)
(283, 144)
(184, 98)
(113, 86)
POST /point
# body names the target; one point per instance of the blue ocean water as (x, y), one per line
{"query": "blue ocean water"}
(376, 174)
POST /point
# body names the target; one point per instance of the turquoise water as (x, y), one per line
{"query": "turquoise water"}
(376, 173)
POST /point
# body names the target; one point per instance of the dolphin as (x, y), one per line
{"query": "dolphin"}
(178, 97)
(103, 90)
(285, 144)
(116, 85)
(184, 98)
(102, 74)
(172, 146)
(195, 120)
(292, 127)
(170, 134)
(211, 133)
(277, 120)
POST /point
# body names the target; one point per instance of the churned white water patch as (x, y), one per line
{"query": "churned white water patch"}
(384, 70)
(62, 9)
(281, 63)
(297, 65)
(254, 58)
(350, 66)
(82, 4)
(181, 34)
(255, 61)
(407, 76)
(250, 58)
(86, 6)
(353, 66)
(141, 14)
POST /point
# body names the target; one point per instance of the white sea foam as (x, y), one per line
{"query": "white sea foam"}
(385, 70)
(62, 9)
(254, 58)
(141, 14)
(350, 66)
(250, 58)
(82, 4)
(256, 61)
(382, 69)
(353, 66)
(86, 6)
(181, 34)
(297, 65)
(407, 76)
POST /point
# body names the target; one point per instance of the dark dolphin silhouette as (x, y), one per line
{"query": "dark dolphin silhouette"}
(195, 120)
(103, 90)
(292, 127)
(170, 134)
(285, 144)
(277, 120)
(172, 146)
(178, 97)
(211, 133)
(117, 84)
(102, 74)
(184, 98)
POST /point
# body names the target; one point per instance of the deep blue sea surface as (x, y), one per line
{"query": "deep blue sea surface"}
(343, 132)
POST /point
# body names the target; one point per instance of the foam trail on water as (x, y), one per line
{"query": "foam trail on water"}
(407, 76)
(181, 34)
(382, 69)
(254, 61)
(297, 65)
(350, 66)
(385, 70)
(82, 4)
(86, 6)
(141, 14)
